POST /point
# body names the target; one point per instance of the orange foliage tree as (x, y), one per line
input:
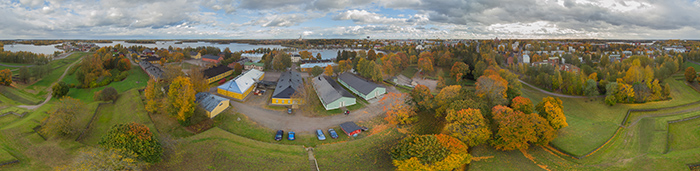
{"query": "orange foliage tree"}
(551, 109)
(398, 112)
(328, 70)
(421, 97)
(459, 69)
(425, 64)
(430, 152)
(5, 77)
(522, 104)
(136, 138)
(468, 125)
(516, 130)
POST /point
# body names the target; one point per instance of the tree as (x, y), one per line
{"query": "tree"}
(421, 97)
(591, 87)
(551, 109)
(181, 99)
(493, 88)
(90, 158)
(371, 55)
(318, 56)
(522, 104)
(63, 117)
(690, 74)
(306, 55)
(5, 77)
(328, 70)
(459, 69)
(429, 152)
(468, 125)
(316, 70)
(199, 83)
(136, 138)
(398, 113)
(59, 89)
(425, 64)
(124, 64)
(446, 96)
(24, 74)
(237, 68)
(513, 129)
(281, 61)
(107, 94)
(154, 97)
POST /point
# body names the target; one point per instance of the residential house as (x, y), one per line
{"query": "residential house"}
(251, 65)
(361, 87)
(211, 103)
(152, 70)
(195, 55)
(526, 59)
(147, 52)
(241, 61)
(288, 84)
(239, 87)
(296, 58)
(212, 58)
(151, 59)
(216, 73)
(331, 94)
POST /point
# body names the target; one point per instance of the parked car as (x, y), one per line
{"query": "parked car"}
(279, 135)
(320, 135)
(333, 134)
(289, 110)
(364, 128)
(291, 136)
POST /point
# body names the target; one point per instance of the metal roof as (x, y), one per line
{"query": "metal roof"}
(357, 83)
(329, 90)
(287, 84)
(208, 101)
(242, 82)
(214, 71)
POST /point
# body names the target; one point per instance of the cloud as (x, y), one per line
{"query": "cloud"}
(365, 17)
(280, 20)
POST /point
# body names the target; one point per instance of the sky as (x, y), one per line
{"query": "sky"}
(353, 19)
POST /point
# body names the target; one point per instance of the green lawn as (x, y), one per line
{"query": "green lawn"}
(109, 115)
(59, 66)
(409, 71)
(684, 135)
(217, 149)
(20, 96)
(369, 153)
(6, 157)
(228, 121)
(690, 64)
(136, 79)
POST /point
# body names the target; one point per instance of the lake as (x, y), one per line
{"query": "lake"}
(48, 49)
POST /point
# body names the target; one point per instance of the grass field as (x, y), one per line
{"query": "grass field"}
(39, 88)
(684, 135)
(369, 153)
(690, 64)
(217, 149)
(6, 157)
(136, 79)
(109, 115)
(19, 95)
(410, 71)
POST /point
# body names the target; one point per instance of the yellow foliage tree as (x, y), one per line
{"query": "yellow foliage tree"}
(328, 70)
(153, 97)
(181, 98)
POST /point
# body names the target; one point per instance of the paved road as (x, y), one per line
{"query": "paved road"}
(299, 123)
(48, 96)
(554, 94)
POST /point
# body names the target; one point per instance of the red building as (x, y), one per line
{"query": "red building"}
(212, 58)
(350, 128)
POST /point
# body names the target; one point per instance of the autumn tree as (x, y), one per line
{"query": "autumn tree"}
(237, 68)
(328, 70)
(62, 119)
(5, 77)
(429, 152)
(690, 74)
(136, 138)
(90, 158)
(522, 104)
(306, 55)
(281, 61)
(493, 88)
(551, 109)
(468, 125)
(23, 75)
(181, 99)
(316, 70)
(398, 112)
(459, 69)
(59, 89)
(446, 96)
(199, 83)
(517, 130)
(154, 97)
(371, 55)
(421, 97)
(425, 64)
(123, 64)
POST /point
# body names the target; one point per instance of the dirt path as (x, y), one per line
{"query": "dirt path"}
(48, 96)
(299, 123)
(555, 94)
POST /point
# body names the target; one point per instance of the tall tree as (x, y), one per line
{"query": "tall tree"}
(306, 55)
(62, 119)
(522, 104)
(154, 97)
(425, 64)
(690, 74)
(446, 96)
(371, 55)
(181, 99)
(429, 152)
(513, 129)
(468, 125)
(422, 98)
(316, 70)
(328, 70)
(459, 70)
(551, 109)
(5, 77)
(493, 88)
(398, 112)
(199, 83)
(24, 74)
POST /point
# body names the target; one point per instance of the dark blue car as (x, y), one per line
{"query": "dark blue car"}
(279, 135)
(333, 134)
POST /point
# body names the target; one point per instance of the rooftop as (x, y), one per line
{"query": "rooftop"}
(287, 84)
(329, 90)
(357, 83)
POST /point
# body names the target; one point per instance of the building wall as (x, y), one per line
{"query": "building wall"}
(372, 94)
(220, 108)
(219, 77)
(210, 60)
(281, 101)
(229, 94)
(198, 56)
(336, 104)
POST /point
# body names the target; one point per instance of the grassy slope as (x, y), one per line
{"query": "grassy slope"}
(109, 115)
(370, 153)
(217, 149)
(136, 79)
(39, 87)
(20, 96)
(684, 135)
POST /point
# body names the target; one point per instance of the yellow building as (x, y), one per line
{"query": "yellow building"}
(195, 55)
(217, 73)
(212, 104)
(241, 86)
(288, 83)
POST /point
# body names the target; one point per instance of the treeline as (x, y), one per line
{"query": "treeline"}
(141, 41)
(23, 57)
(104, 67)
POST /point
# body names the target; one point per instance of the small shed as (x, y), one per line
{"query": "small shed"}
(350, 128)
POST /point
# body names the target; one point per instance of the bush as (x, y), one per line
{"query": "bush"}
(222, 81)
(134, 137)
(122, 75)
(610, 100)
(107, 94)
(60, 89)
